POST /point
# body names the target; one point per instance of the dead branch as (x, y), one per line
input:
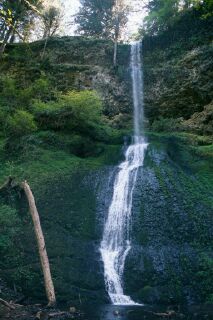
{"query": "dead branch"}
(10, 304)
(168, 314)
(58, 314)
(7, 183)
(49, 287)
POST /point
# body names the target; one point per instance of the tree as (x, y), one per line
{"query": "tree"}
(51, 21)
(95, 18)
(119, 19)
(14, 16)
(161, 15)
(207, 8)
(103, 20)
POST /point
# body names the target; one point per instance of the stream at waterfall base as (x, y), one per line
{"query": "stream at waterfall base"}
(149, 312)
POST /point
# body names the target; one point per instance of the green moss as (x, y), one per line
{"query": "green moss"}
(41, 164)
(10, 225)
(145, 293)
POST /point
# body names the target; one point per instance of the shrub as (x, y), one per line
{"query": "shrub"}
(167, 124)
(76, 111)
(41, 89)
(20, 123)
(12, 96)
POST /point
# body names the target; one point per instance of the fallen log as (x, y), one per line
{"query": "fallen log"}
(58, 314)
(40, 315)
(49, 287)
(10, 304)
(7, 304)
(168, 314)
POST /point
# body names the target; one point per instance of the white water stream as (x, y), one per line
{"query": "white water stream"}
(116, 242)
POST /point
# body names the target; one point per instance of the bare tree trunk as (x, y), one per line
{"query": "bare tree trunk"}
(46, 35)
(44, 49)
(2, 31)
(5, 41)
(116, 36)
(49, 287)
(12, 38)
(115, 52)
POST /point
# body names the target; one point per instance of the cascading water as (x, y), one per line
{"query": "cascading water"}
(116, 242)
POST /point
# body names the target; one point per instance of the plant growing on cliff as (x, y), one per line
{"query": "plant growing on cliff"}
(75, 111)
(20, 123)
(167, 124)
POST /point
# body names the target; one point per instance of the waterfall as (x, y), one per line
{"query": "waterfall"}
(116, 241)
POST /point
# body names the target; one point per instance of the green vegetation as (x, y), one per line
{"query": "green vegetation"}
(10, 227)
(19, 19)
(76, 111)
(49, 124)
(64, 111)
(94, 18)
(177, 93)
(49, 132)
(166, 125)
(35, 110)
(163, 15)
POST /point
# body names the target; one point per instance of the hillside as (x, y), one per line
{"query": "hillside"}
(69, 158)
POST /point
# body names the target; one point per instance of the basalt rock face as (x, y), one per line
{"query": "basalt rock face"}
(177, 81)
(67, 206)
(172, 234)
(171, 256)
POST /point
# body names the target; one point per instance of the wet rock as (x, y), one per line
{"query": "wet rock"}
(72, 310)
(179, 87)
(42, 315)
(4, 312)
(116, 313)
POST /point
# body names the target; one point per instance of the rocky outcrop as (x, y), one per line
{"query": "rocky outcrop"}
(78, 63)
(178, 83)
(201, 122)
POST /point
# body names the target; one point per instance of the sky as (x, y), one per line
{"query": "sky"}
(71, 8)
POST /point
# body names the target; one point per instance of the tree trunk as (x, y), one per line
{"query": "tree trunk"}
(6, 38)
(50, 292)
(12, 38)
(115, 52)
(116, 36)
(44, 49)
(47, 35)
(2, 31)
